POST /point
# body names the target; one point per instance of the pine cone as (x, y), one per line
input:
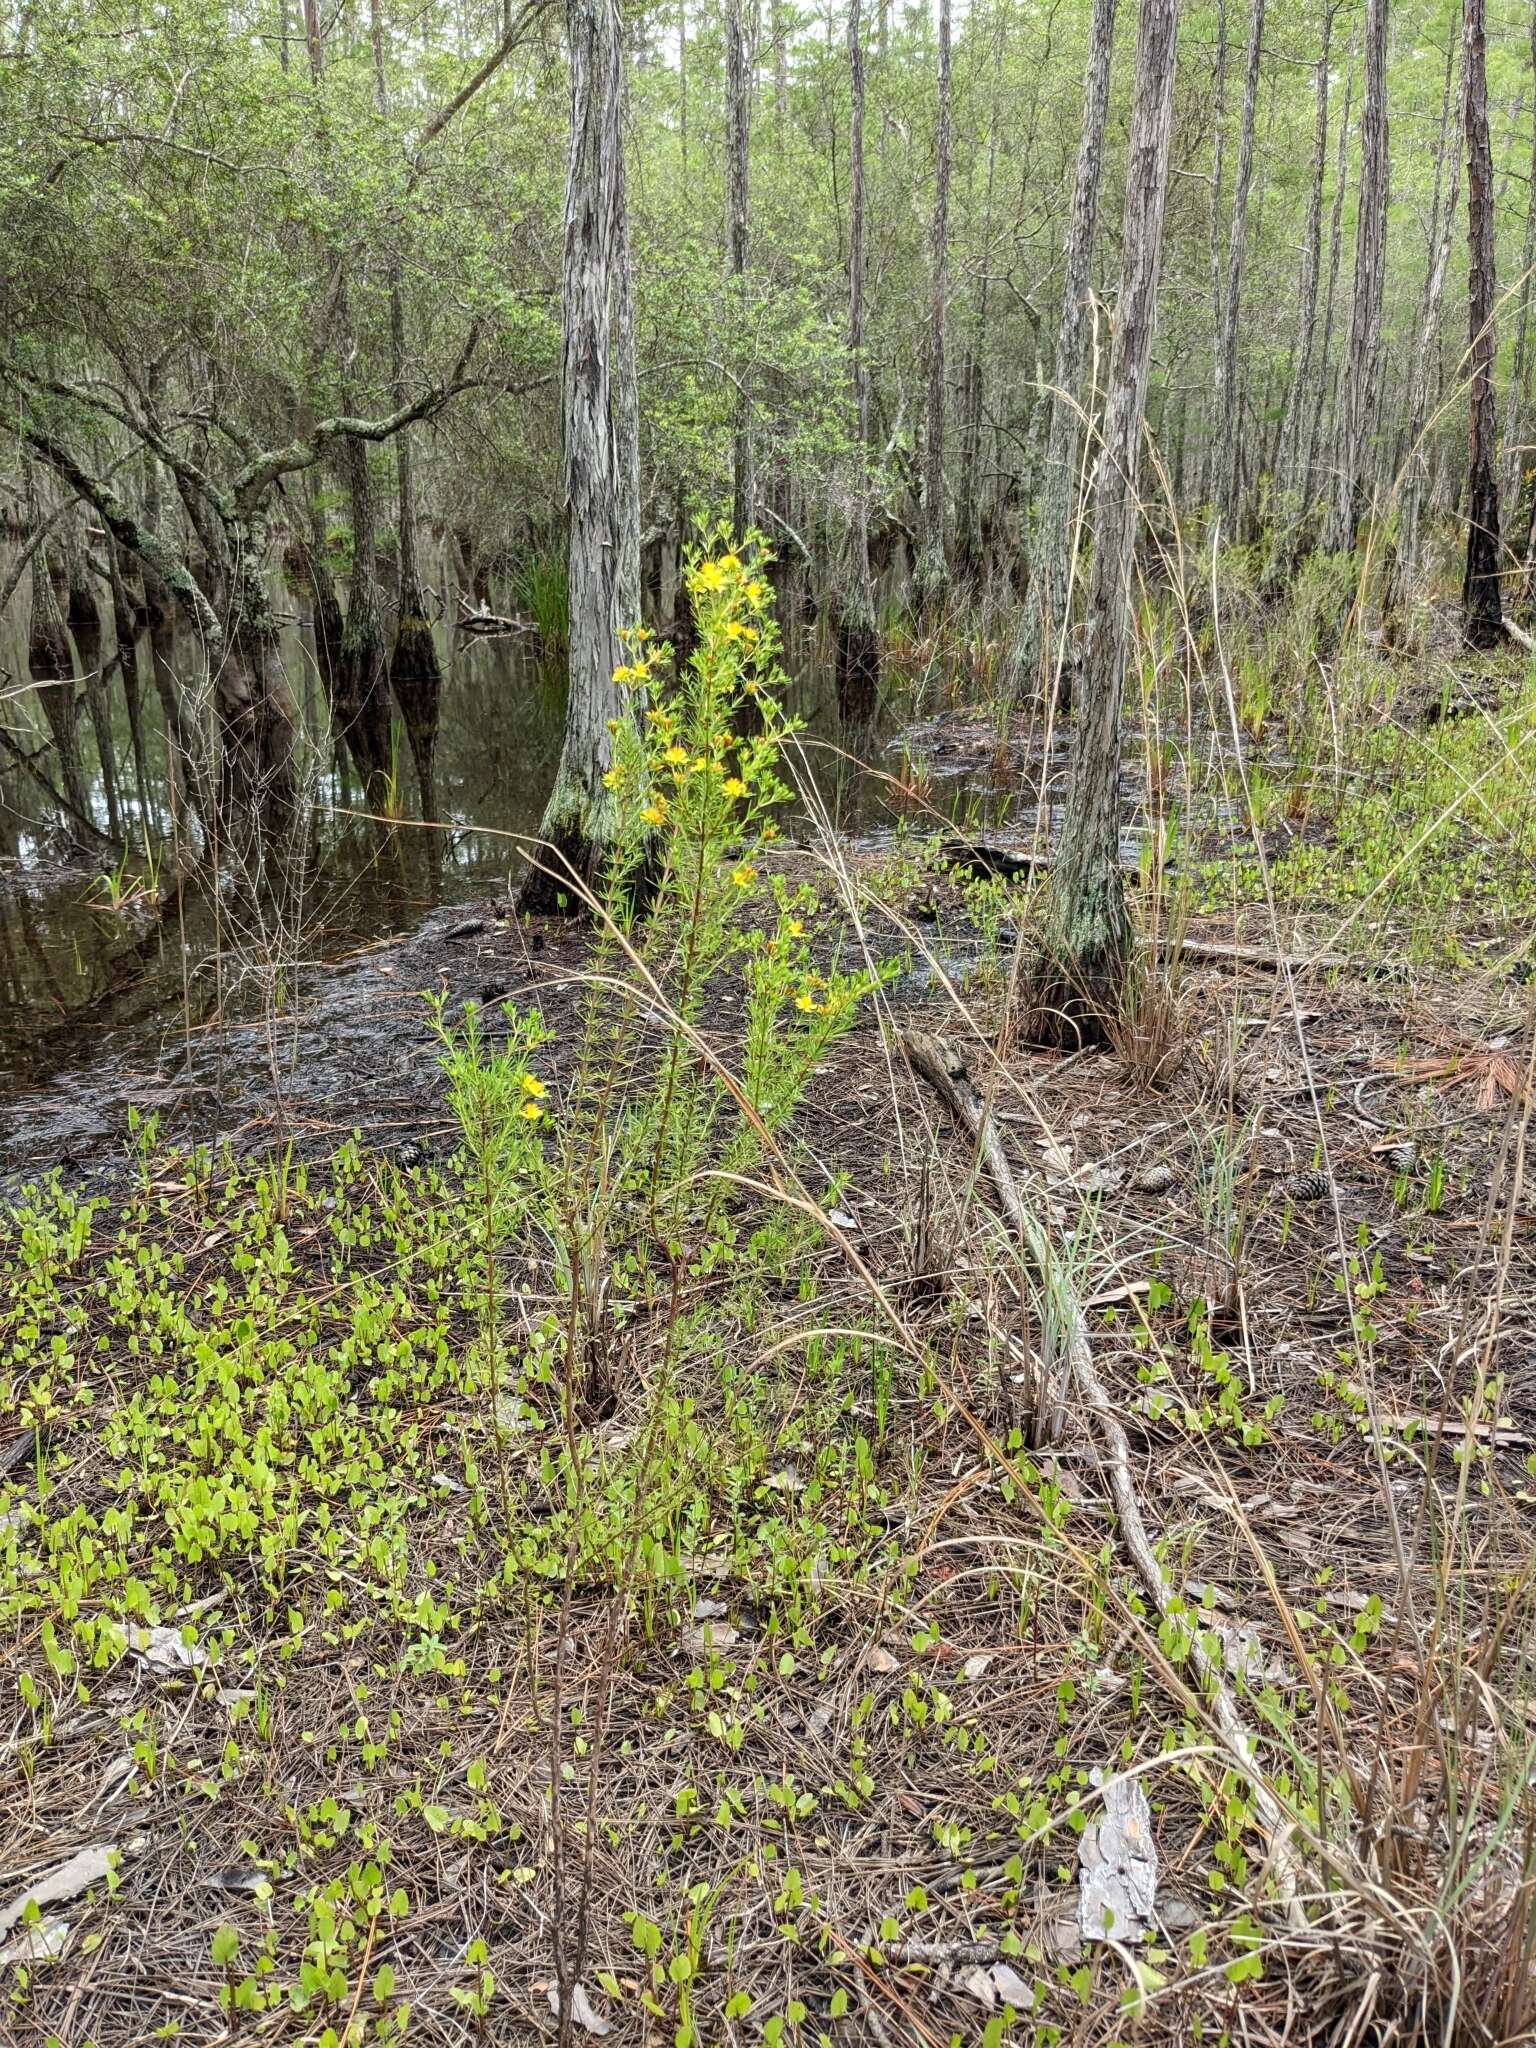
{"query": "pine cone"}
(1155, 1179)
(1403, 1158)
(1314, 1185)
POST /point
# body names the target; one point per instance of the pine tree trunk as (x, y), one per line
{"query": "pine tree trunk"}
(858, 654)
(1442, 221)
(1292, 445)
(1217, 267)
(1308, 468)
(1519, 378)
(1039, 648)
(1482, 617)
(1081, 974)
(1355, 469)
(933, 553)
(580, 820)
(1228, 435)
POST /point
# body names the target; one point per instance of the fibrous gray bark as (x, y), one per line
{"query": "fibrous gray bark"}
(580, 819)
(1081, 971)
(738, 116)
(933, 559)
(1237, 247)
(858, 657)
(1481, 609)
(1292, 441)
(1038, 648)
(1361, 389)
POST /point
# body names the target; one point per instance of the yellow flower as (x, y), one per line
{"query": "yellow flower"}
(675, 754)
(754, 593)
(625, 674)
(805, 1002)
(744, 877)
(734, 786)
(735, 630)
(532, 1085)
(729, 564)
(612, 779)
(655, 814)
(532, 1112)
(708, 576)
(795, 928)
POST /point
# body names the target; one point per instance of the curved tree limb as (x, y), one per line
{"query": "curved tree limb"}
(130, 532)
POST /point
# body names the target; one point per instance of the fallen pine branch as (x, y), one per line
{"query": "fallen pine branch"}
(940, 1063)
(1521, 638)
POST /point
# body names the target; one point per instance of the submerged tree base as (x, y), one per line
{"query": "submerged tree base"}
(858, 668)
(416, 679)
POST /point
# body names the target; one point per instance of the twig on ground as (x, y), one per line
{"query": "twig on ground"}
(941, 1064)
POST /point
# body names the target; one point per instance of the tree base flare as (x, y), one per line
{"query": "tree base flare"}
(1069, 991)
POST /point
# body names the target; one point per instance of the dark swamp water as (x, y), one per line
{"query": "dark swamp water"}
(222, 1029)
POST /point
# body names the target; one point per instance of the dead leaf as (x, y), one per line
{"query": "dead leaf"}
(582, 2010)
(1011, 1988)
(710, 1635)
(973, 1667)
(878, 1658)
(162, 1649)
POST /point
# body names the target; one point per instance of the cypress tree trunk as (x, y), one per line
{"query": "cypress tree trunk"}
(53, 677)
(1080, 975)
(1228, 443)
(1482, 617)
(738, 115)
(580, 819)
(626, 401)
(933, 557)
(83, 617)
(1039, 648)
(415, 674)
(972, 375)
(128, 619)
(858, 653)
(362, 684)
(1362, 394)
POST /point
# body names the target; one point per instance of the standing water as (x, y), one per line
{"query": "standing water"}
(119, 994)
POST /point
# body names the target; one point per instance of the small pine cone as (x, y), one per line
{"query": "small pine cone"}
(1315, 1185)
(1403, 1158)
(1155, 1179)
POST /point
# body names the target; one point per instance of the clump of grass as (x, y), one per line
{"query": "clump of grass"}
(541, 592)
